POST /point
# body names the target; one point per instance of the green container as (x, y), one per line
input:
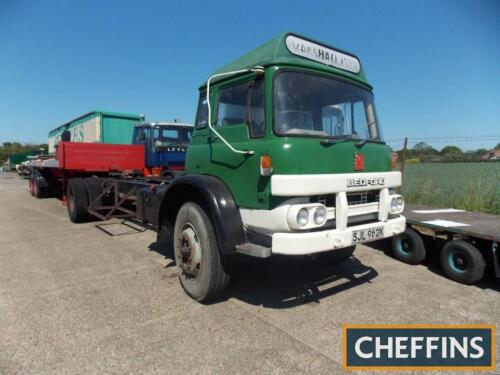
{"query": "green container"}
(15, 159)
(98, 127)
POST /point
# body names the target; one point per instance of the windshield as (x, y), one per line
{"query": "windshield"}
(313, 105)
(165, 136)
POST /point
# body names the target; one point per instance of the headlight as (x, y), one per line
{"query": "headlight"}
(302, 217)
(400, 203)
(397, 205)
(320, 215)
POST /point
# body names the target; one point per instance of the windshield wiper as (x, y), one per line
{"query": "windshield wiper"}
(362, 142)
(332, 141)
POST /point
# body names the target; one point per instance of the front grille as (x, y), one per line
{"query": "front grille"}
(177, 164)
(352, 198)
(362, 197)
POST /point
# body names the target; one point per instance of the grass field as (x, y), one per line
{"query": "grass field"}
(469, 186)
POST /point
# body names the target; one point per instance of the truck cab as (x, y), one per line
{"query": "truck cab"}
(287, 157)
(165, 145)
(291, 130)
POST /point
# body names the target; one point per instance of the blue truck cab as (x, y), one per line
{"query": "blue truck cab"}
(165, 145)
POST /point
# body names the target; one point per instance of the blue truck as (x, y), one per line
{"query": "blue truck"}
(165, 145)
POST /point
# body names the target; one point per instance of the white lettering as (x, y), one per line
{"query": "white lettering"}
(414, 346)
(400, 347)
(430, 346)
(454, 344)
(324, 55)
(478, 348)
(388, 347)
(357, 347)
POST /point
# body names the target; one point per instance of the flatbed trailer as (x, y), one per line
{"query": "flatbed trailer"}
(50, 177)
(471, 240)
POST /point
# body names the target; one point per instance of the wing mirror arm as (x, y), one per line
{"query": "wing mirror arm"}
(258, 70)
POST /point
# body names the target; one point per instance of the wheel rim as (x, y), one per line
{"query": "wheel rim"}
(458, 261)
(189, 256)
(403, 246)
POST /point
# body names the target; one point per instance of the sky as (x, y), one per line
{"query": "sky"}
(434, 65)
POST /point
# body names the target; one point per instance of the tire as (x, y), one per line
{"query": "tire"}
(77, 200)
(334, 256)
(200, 264)
(165, 239)
(408, 247)
(31, 186)
(462, 262)
(93, 186)
(38, 192)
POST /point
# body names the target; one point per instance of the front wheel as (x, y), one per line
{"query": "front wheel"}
(462, 262)
(201, 266)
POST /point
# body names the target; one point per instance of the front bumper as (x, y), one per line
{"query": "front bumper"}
(303, 243)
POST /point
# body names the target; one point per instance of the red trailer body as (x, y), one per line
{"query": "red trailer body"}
(77, 159)
(100, 157)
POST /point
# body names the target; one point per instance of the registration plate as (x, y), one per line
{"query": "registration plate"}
(367, 234)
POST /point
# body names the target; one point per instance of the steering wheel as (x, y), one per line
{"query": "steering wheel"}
(297, 121)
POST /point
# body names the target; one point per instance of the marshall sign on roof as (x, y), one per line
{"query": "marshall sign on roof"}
(322, 54)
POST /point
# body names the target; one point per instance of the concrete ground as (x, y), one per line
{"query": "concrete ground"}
(100, 298)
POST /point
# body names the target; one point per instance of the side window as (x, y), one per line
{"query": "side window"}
(256, 115)
(202, 114)
(141, 135)
(232, 106)
(243, 104)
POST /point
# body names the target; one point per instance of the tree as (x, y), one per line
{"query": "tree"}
(480, 151)
(497, 147)
(451, 150)
(421, 146)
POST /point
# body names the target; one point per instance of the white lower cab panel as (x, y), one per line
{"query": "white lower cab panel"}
(317, 184)
(302, 243)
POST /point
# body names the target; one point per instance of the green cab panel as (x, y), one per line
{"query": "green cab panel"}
(289, 155)
(298, 155)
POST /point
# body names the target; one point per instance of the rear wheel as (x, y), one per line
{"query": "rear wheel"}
(462, 262)
(201, 266)
(38, 191)
(77, 200)
(93, 185)
(409, 247)
(31, 187)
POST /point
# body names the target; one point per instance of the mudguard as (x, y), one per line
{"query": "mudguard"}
(215, 197)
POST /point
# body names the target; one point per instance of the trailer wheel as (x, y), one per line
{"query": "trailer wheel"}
(334, 256)
(200, 264)
(462, 262)
(94, 189)
(77, 200)
(38, 191)
(31, 187)
(408, 247)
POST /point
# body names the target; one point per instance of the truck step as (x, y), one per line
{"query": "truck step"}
(253, 250)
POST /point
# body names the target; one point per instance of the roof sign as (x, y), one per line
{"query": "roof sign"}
(322, 54)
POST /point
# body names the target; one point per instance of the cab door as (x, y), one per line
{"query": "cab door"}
(142, 136)
(238, 116)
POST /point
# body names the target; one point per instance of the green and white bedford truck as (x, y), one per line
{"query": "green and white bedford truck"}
(287, 157)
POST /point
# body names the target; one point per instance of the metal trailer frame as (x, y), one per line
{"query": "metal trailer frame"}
(122, 191)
